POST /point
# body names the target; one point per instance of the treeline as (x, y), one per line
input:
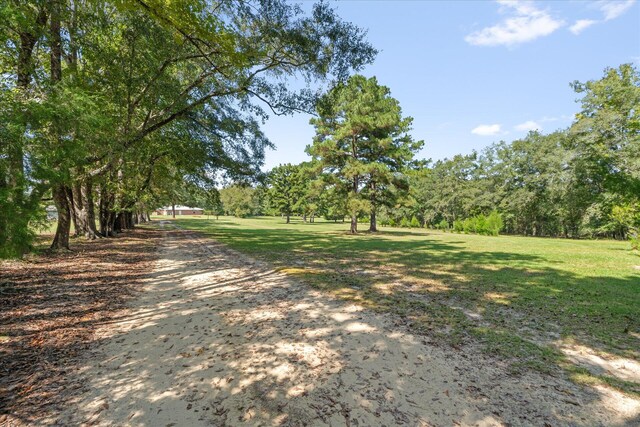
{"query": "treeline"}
(109, 109)
(580, 182)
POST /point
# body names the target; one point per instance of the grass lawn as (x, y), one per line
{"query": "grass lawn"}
(521, 297)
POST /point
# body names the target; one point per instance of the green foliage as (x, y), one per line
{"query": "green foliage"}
(362, 140)
(469, 225)
(405, 223)
(286, 188)
(239, 200)
(414, 222)
(606, 134)
(490, 225)
(582, 182)
(634, 238)
(146, 100)
(494, 223)
(481, 224)
(443, 225)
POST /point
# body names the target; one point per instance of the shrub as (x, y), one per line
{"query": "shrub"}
(469, 225)
(481, 224)
(392, 222)
(404, 223)
(634, 238)
(443, 225)
(414, 222)
(494, 223)
(458, 226)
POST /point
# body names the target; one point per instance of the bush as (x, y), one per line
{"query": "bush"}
(392, 222)
(404, 223)
(414, 222)
(443, 225)
(469, 225)
(634, 238)
(481, 224)
(488, 225)
(494, 223)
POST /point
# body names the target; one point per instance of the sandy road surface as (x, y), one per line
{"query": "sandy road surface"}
(220, 339)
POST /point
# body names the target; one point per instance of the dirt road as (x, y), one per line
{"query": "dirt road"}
(220, 339)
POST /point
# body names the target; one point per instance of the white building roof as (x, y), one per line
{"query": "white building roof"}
(181, 208)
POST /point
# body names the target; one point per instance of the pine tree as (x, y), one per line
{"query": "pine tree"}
(362, 139)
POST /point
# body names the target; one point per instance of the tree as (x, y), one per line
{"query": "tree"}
(113, 92)
(606, 133)
(285, 189)
(239, 200)
(362, 138)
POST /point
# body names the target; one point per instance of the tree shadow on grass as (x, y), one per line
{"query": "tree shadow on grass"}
(525, 295)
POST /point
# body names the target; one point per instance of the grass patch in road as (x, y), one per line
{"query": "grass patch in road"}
(516, 294)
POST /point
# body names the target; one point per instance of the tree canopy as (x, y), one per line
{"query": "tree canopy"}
(110, 104)
(363, 141)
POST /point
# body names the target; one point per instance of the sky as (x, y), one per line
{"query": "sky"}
(471, 73)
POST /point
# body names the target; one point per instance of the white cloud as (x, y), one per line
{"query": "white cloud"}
(525, 23)
(581, 25)
(610, 9)
(527, 126)
(613, 9)
(487, 130)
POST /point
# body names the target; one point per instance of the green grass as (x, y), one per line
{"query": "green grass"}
(516, 295)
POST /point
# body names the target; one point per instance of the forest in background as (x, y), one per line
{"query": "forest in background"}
(583, 181)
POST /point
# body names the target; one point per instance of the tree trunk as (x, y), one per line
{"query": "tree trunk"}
(288, 218)
(88, 210)
(173, 210)
(56, 42)
(73, 211)
(354, 224)
(61, 239)
(373, 225)
(60, 191)
(106, 214)
(76, 209)
(117, 222)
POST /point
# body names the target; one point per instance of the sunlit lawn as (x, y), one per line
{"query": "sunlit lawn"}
(517, 295)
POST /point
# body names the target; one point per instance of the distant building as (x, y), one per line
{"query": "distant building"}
(180, 210)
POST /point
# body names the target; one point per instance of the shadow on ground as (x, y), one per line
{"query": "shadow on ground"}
(222, 339)
(50, 308)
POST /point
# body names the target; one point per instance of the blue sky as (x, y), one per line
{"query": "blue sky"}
(474, 72)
